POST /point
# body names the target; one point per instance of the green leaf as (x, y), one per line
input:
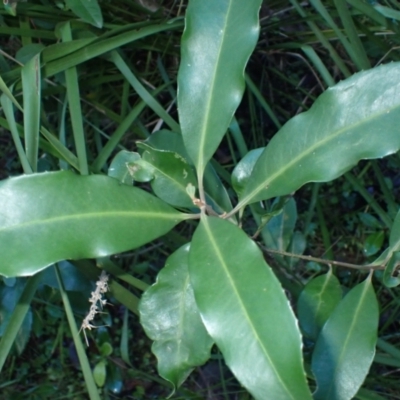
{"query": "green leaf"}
(166, 140)
(388, 279)
(391, 256)
(297, 246)
(243, 170)
(88, 10)
(100, 373)
(353, 120)
(387, 12)
(10, 303)
(316, 303)
(216, 194)
(246, 312)
(394, 240)
(17, 317)
(31, 86)
(278, 232)
(211, 79)
(73, 279)
(55, 216)
(170, 317)
(119, 167)
(172, 175)
(345, 347)
(373, 243)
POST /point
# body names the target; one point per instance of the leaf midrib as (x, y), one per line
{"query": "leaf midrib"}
(88, 216)
(204, 129)
(242, 306)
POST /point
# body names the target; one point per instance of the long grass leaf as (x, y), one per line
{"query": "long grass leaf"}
(103, 46)
(31, 86)
(74, 103)
(142, 92)
(323, 40)
(7, 92)
(9, 113)
(352, 34)
(83, 360)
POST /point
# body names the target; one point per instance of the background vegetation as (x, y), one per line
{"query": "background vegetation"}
(126, 72)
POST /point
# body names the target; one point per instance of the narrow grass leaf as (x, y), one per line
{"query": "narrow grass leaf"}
(218, 39)
(147, 97)
(60, 215)
(169, 315)
(7, 92)
(125, 297)
(83, 360)
(345, 347)
(322, 39)
(62, 49)
(116, 137)
(8, 110)
(31, 88)
(351, 121)
(104, 45)
(74, 102)
(387, 12)
(246, 312)
(351, 31)
(327, 16)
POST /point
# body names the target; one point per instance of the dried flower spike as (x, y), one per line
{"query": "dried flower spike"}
(97, 302)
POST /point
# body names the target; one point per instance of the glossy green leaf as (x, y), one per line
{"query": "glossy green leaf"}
(391, 256)
(100, 373)
(88, 10)
(172, 174)
(316, 303)
(170, 317)
(243, 170)
(211, 79)
(370, 221)
(373, 243)
(10, 303)
(354, 120)
(246, 312)
(106, 349)
(54, 216)
(74, 280)
(388, 279)
(119, 166)
(17, 317)
(216, 194)
(394, 239)
(345, 347)
(166, 140)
